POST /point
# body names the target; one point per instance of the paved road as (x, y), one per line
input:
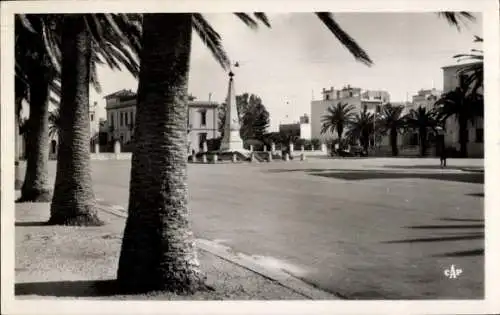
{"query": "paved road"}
(364, 229)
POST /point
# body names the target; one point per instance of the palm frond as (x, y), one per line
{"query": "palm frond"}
(24, 19)
(261, 16)
(346, 40)
(211, 39)
(247, 19)
(457, 19)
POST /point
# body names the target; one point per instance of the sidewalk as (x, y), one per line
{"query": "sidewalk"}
(77, 262)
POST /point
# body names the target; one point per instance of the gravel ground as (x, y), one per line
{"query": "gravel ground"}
(75, 262)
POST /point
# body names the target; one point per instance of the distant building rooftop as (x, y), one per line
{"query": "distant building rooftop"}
(462, 64)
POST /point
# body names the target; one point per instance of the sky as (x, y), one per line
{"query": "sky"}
(290, 63)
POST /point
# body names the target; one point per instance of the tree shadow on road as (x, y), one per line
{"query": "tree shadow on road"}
(474, 178)
(68, 288)
(363, 174)
(33, 223)
(476, 194)
(459, 236)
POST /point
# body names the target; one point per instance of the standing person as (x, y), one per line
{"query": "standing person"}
(443, 155)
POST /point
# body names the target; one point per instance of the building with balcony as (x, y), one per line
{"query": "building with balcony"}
(360, 99)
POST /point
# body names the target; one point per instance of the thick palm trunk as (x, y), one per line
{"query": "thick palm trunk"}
(35, 187)
(74, 201)
(394, 142)
(365, 141)
(462, 136)
(158, 250)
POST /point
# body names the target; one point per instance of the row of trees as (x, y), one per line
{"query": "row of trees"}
(56, 59)
(463, 103)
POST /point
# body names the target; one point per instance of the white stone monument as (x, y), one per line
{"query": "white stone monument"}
(232, 142)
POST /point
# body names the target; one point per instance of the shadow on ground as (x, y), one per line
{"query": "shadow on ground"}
(68, 288)
(475, 178)
(476, 195)
(432, 167)
(459, 235)
(34, 223)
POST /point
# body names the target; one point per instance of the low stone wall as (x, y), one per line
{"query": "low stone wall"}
(111, 156)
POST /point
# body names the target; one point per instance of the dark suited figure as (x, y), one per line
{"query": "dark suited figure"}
(443, 155)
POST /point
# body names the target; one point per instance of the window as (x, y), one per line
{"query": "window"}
(350, 94)
(327, 97)
(121, 119)
(126, 118)
(91, 117)
(203, 117)
(479, 135)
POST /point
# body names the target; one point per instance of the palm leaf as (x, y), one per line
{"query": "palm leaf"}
(211, 39)
(263, 18)
(457, 18)
(247, 19)
(346, 40)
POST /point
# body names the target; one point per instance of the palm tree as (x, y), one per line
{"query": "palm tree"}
(361, 128)
(84, 39)
(337, 118)
(473, 72)
(34, 74)
(392, 121)
(38, 40)
(423, 121)
(464, 106)
(110, 39)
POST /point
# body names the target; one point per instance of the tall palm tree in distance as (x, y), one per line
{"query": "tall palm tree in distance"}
(464, 106)
(361, 128)
(392, 122)
(423, 121)
(336, 119)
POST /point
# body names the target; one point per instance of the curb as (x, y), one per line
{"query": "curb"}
(472, 170)
(278, 275)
